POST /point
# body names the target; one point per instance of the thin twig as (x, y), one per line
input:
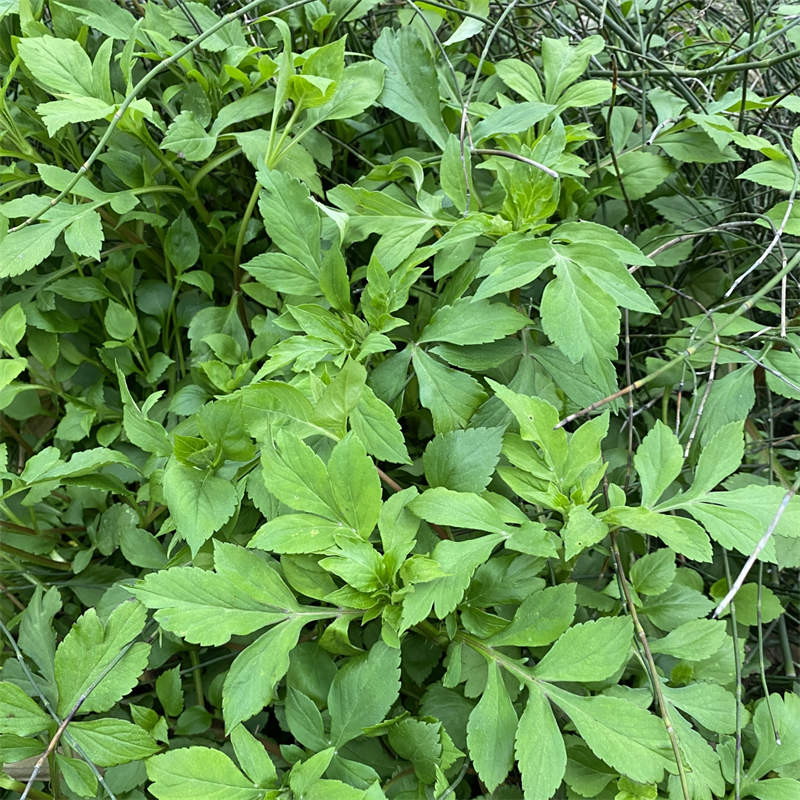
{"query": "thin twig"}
(737, 584)
(651, 667)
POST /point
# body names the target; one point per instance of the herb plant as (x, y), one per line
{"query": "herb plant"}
(392, 394)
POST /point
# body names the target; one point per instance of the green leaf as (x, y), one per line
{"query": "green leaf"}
(677, 605)
(516, 118)
(37, 637)
(297, 476)
(363, 691)
(583, 530)
(537, 419)
(418, 742)
(470, 321)
(143, 432)
(445, 507)
(563, 64)
(654, 573)
(296, 533)
(585, 93)
(170, 692)
(108, 742)
(252, 757)
(718, 459)
(199, 772)
(516, 261)
(490, 731)
(78, 775)
(58, 113)
(463, 461)
(90, 649)
(541, 618)
(710, 704)
(641, 173)
(411, 87)
(181, 244)
(628, 738)
(120, 322)
(59, 64)
(290, 218)
(590, 651)
(341, 397)
(452, 397)
(251, 681)
(188, 139)
(23, 250)
(693, 640)
(304, 720)
(458, 561)
(199, 501)
(305, 773)
(770, 754)
(540, 747)
(401, 225)
(358, 88)
(680, 534)
(204, 607)
(12, 329)
(658, 461)
(775, 174)
(21, 715)
(355, 485)
(378, 429)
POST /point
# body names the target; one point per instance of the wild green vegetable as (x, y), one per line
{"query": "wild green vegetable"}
(391, 394)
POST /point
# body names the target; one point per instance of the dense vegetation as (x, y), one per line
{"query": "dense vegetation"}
(391, 392)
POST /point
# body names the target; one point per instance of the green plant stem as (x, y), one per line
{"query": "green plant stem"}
(40, 560)
(237, 253)
(198, 678)
(651, 667)
(212, 165)
(737, 757)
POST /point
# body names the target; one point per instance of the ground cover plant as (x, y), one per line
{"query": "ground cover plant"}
(392, 394)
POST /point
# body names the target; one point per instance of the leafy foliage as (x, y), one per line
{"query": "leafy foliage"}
(376, 422)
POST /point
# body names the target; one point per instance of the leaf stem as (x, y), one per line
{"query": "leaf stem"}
(651, 666)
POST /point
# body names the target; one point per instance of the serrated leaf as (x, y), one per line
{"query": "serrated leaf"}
(252, 677)
(463, 461)
(541, 618)
(188, 139)
(91, 648)
(410, 87)
(452, 397)
(692, 641)
(653, 573)
(378, 429)
(628, 738)
(582, 530)
(658, 461)
(363, 691)
(490, 731)
(199, 501)
(199, 772)
(458, 560)
(59, 64)
(108, 742)
(540, 747)
(21, 715)
(445, 507)
(205, 607)
(470, 321)
(590, 651)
